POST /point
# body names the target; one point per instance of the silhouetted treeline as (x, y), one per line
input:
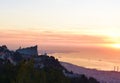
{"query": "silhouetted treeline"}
(25, 72)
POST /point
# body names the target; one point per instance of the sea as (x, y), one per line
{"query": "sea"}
(107, 59)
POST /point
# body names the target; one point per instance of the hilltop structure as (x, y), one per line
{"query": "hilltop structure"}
(16, 56)
(29, 51)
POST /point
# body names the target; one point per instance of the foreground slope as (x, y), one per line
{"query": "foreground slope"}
(102, 76)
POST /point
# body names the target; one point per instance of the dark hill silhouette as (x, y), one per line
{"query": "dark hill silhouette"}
(36, 69)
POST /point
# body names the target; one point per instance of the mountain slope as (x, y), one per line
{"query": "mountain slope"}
(102, 76)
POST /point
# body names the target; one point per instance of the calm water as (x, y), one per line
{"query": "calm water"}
(95, 59)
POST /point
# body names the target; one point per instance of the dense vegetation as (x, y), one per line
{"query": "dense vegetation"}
(25, 72)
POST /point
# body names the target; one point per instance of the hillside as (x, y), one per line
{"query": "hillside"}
(26, 67)
(102, 76)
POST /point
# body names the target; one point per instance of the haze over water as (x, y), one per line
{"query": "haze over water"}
(100, 58)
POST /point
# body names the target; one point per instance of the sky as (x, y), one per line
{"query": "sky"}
(60, 22)
(82, 32)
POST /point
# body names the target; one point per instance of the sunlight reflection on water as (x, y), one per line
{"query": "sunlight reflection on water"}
(90, 61)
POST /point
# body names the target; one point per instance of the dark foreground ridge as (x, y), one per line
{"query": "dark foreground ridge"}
(26, 66)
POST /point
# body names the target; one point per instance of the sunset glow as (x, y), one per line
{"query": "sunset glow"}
(63, 26)
(116, 46)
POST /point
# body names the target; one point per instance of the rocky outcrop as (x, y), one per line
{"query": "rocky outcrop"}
(28, 52)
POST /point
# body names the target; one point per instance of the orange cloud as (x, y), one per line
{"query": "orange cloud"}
(49, 38)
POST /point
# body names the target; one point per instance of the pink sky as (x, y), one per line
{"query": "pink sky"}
(62, 25)
(16, 38)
